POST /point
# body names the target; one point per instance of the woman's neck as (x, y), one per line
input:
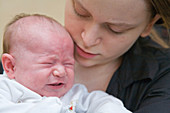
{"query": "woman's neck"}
(96, 77)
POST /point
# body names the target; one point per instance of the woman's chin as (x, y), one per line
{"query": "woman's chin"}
(84, 62)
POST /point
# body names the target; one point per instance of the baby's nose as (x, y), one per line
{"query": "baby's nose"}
(60, 72)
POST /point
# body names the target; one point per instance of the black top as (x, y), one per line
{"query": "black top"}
(1, 69)
(142, 82)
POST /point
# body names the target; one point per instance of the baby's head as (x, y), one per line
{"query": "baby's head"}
(38, 53)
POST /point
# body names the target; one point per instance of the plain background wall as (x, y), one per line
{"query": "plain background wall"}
(10, 8)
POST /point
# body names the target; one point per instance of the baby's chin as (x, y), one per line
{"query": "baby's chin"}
(54, 94)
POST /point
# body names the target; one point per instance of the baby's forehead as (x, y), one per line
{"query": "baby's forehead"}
(33, 30)
(37, 27)
(36, 22)
(40, 35)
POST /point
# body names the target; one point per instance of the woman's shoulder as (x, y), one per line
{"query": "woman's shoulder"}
(146, 59)
(147, 48)
(151, 49)
(152, 57)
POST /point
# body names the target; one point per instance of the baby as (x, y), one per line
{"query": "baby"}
(39, 71)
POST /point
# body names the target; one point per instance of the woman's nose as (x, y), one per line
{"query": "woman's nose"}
(59, 72)
(91, 35)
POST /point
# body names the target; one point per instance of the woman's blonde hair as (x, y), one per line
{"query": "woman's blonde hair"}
(161, 7)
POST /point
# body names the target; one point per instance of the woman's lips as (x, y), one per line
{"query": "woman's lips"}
(84, 54)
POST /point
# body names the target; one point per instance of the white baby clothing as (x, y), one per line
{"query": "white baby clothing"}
(15, 98)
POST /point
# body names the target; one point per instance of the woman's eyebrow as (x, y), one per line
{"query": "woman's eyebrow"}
(122, 24)
(78, 2)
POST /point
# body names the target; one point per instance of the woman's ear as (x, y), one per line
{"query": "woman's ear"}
(148, 28)
(8, 63)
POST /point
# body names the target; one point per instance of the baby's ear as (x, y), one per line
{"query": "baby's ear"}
(148, 28)
(8, 63)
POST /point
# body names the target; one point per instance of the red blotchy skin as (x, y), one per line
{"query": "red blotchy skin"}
(44, 61)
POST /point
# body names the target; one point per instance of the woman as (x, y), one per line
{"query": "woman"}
(115, 54)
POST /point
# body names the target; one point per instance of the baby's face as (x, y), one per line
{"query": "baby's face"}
(46, 64)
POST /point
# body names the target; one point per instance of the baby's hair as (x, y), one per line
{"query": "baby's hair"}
(23, 15)
(8, 32)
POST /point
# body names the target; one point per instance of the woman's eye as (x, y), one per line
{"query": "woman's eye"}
(79, 14)
(114, 31)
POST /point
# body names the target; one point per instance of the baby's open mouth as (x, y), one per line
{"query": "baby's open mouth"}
(58, 84)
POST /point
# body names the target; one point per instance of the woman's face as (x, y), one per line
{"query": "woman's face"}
(103, 30)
